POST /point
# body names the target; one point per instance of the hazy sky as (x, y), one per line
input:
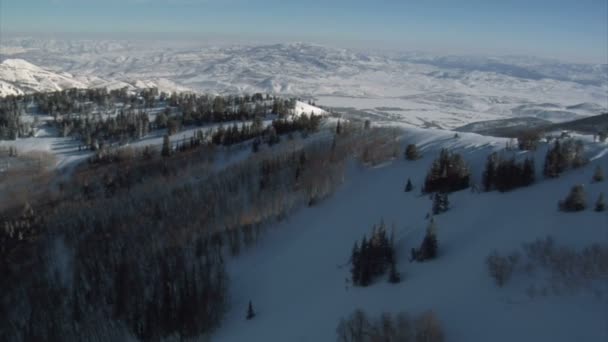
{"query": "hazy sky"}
(565, 29)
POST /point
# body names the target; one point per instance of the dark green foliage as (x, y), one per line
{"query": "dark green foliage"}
(250, 313)
(304, 123)
(576, 200)
(563, 155)
(166, 149)
(448, 173)
(271, 135)
(600, 204)
(409, 187)
(489, 174)
(505, 175)
(598, 175)
(528, 140)
(372, 259)
(429, 247)
(393, 276)
(441, 204)
(411, 152)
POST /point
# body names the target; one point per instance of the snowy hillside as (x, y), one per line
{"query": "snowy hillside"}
(18, 76)
(297, 278)
(426, 91)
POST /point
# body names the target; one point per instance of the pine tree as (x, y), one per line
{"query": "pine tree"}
(600, 205)
(250, 312)
(409, 187)
(552, 161)
(429, 247)
(338, 128)
(394, 277)
(440, 203)
(598, 175)
(166, 150)
(436, 204)
(411, 152)
(528, 172)
(489, 172)
(576, 200)
(445, 202)
(356, 265)
(365, 265)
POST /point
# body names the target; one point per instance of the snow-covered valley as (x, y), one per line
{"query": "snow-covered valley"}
(420, 89)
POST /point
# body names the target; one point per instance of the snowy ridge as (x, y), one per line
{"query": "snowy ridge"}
(18, 76)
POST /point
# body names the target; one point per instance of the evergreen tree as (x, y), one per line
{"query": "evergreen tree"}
(411, 152)
(528, 173)
(576, 200)
(600, 205)
(409, 187)
(394, 277)
(429, 247)
(488, 177)
(166, 149)
(448, 173)
(373, 258)
(250, 312)
(338, 128)
(356, 265)
(440, 203)
(552, 161)
(365, 275)
(598, 175)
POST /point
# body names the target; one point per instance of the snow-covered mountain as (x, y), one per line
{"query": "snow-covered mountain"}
(422, 90)
(18, 76)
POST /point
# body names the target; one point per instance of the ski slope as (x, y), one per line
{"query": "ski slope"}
(296, 276)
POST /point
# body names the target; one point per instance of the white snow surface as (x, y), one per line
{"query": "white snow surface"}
(423, 90)
(295, 277)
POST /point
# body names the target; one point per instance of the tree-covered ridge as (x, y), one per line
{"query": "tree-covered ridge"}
(98, 116)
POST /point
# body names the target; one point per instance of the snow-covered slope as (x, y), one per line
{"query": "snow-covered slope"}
(305, 108)
(296, 277)
(18, 76)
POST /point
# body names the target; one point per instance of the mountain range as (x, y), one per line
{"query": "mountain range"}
(415, 88)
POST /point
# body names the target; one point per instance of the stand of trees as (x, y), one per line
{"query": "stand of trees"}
(563, 155)
(448, 173)
(99, 117)
(507, 174)
(371, 258)
(429, 247)
(358, 327)
(528, 141)
(135, 250)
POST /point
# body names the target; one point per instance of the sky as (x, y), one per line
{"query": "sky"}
(563, 29)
